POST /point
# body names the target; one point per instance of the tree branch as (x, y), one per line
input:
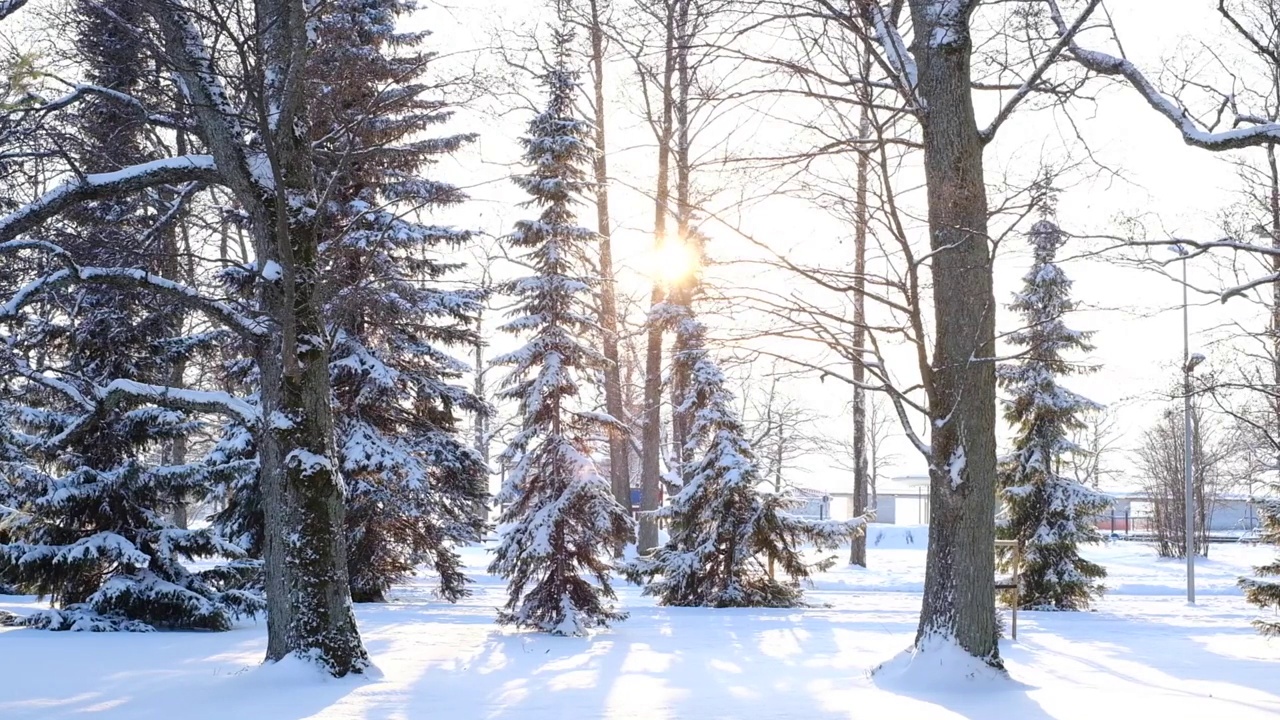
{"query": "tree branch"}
(169, 171)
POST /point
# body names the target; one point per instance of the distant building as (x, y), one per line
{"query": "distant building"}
(817, 504)
(902, 500)
(1132, 511)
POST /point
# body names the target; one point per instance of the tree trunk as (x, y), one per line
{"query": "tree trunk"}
(858, 544)
(682, 293)
(482, 420)
(1274, 208)
(308, 593)
(651, 439)
(619, 447)
(959, 593)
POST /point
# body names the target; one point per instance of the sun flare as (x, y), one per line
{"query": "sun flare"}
(673, 261)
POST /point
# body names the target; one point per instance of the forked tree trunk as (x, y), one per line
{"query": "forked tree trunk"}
(959, 593)
(308, 597)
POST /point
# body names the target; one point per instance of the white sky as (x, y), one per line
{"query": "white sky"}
(1136, 314)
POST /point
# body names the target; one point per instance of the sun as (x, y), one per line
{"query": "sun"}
(674, 261)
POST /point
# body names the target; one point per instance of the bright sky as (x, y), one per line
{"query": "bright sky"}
(1174, 189)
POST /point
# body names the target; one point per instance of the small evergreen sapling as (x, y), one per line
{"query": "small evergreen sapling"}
(1048, 513)
(1263, 590)
(726, 536)
(562, 523)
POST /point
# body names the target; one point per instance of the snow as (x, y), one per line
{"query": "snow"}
(955, 467)
(272, 271)
(1144, 655)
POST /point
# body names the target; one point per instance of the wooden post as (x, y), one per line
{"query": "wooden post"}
(1013, 581)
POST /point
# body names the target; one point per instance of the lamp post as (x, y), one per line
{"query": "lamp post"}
(1189, 363)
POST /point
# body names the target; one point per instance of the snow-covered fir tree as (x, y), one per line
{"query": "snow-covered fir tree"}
(1048, 513)
(92, 480)
(562, 523)
(728, 538)
(1263, 589)
(415, 487)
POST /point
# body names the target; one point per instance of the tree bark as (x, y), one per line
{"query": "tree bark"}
(308, 597)
(959, 593)
(651, 438)
(858, 544)
(482, 420)
(619, 447)
(1273, 176)
(681, 293)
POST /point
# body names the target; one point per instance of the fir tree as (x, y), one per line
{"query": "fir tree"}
(87, 522)
(1264, 589)
(563, 524)
(415, 486)
(1048, 513)
(726, 536)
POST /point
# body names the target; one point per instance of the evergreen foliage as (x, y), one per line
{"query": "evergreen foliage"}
(1048, 513)
(727, 538)
(563, 524)
(90, 481)
(415, 489)
(1263, 590)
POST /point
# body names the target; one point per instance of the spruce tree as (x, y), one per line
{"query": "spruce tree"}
(87, 523)
(562, 523)
(1263, 590)
(415, 486)
(1048, 513)
(727, 537)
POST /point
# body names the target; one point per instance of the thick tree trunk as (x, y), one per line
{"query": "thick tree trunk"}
(308, 592)
(619, 447)
(959, 593)
(651, 438)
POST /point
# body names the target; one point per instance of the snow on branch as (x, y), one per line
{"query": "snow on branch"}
(188, 296)
(200, 400)
(31, 375)
(1194, 135)
(895, 50)
(217, 116)
(168, 171)
(109, 397)
(81, 91)
(9, 7)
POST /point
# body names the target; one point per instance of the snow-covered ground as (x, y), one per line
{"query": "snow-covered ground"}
(1143, 654)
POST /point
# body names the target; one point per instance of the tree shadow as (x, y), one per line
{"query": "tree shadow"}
(1186, 660)
(190, 675)
(662, 663)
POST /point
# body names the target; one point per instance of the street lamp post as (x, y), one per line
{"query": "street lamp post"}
(1189, 363)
